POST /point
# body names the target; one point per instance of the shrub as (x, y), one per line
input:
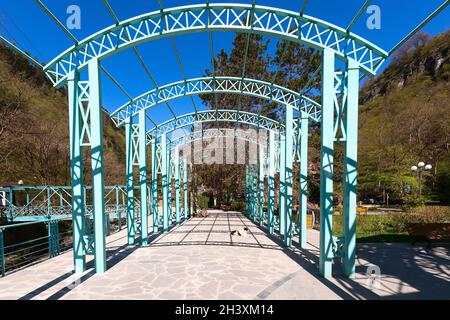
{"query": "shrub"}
(414, 201)
(429, 214)
(399, 222)
(443, 182)
(338, 209)
(237, 205)
(379, 225)
(203, 201)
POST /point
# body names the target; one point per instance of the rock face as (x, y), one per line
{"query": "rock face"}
(404, 116)
(431, 59)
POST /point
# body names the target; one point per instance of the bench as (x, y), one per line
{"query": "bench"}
(362, 210)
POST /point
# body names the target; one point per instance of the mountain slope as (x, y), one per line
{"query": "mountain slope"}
(34, 129)
(405, 118)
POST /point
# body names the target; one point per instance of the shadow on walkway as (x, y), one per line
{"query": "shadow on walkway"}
(407, 264)
(425, 270)
(114, 256)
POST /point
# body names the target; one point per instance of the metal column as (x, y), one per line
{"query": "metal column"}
(282, 188)
(131, 230)
(98, 193)
(350, 168)
(177, 186)
(247, 198)
(326, 164)
(170, 182)
(255, 193)
(288, 160)
(53, 238)
(155, 185)
(185, 189)
(76, 174)
(143, 176)
(165, 183)
(303, 201)
(271, 183)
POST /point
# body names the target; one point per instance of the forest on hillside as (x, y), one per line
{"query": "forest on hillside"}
(34, 129)
(404, 119)
(404, 116)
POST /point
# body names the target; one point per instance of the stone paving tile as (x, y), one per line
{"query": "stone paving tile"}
(200, 259)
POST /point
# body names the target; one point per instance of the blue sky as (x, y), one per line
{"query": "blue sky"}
(25, 24)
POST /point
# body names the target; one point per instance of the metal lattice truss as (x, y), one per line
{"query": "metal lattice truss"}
(55, 202)
(284, 24)
(214, 116)
(40, 203)
(251, 87)
(224, 133)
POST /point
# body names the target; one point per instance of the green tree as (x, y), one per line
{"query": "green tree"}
(254, 66)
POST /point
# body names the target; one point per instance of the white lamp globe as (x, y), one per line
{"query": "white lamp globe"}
(421, 164)
(428, 167)
(20, 182)
(413, 168)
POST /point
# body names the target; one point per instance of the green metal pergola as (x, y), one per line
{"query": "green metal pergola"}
(346, 58)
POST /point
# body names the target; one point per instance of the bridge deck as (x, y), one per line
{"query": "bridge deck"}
(200, 259)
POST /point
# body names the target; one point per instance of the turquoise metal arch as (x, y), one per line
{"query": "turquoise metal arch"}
(276, 22)
(220, 115)
(234, 85)
(338, 123)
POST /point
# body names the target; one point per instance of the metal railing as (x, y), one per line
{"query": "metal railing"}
(27, 203)
(39, 221)
(26, 242)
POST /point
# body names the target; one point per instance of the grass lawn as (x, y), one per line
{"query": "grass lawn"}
(377, 228)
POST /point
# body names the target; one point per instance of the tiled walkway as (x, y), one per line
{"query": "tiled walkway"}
(201, 259)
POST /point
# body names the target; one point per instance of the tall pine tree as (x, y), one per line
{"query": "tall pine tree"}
(293, 66)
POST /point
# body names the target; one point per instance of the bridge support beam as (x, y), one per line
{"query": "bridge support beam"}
(350, 170)
(143, 177)
(76, 173)
(326, 164)
(303, 192)
(255, 187)
(53, 238)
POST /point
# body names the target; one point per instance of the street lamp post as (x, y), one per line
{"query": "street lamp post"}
(421, 166)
